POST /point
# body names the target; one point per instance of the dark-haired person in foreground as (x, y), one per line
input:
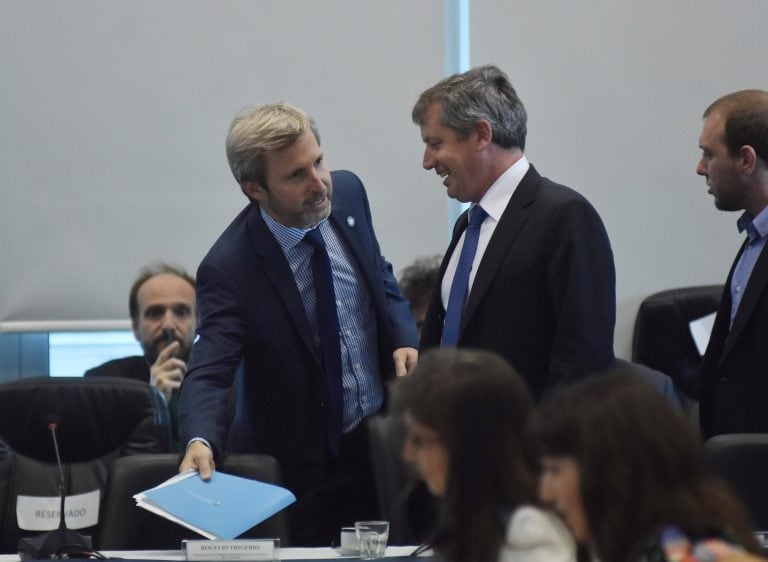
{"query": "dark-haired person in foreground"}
(464, 412)
(627, 473)
(529, 272)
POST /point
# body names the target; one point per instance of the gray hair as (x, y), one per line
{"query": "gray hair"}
(482, 93)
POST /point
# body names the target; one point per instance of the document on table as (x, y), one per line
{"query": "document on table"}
(223, 507)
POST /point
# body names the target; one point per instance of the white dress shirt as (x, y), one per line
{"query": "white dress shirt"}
(494, 202)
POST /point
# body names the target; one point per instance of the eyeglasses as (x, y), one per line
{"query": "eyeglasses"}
(421, 441)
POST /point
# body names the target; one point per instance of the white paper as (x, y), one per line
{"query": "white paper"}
(41, 513)
(701, 329)
(143, 502)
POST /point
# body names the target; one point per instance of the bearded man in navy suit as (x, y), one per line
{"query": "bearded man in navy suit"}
(538, 286)
(308, 349)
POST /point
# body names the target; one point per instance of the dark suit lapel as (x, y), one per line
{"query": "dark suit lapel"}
(754, 290)
(348, 227)
(458, 230)
(432, 332)
(273, 263)
(509, 227)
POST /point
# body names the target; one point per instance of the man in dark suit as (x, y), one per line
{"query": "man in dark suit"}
(734, 371)
(296, 298)
(536, 282)
(163, 318)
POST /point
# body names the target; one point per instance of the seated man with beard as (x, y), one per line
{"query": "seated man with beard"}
(163, 317)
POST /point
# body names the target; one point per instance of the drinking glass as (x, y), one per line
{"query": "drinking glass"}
(372, 536)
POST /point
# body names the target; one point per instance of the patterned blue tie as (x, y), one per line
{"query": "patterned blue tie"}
(460, 286)
(328, 324)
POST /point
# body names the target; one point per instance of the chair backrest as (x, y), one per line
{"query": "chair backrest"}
(125, 526)
(662, 339)
(741, 459)
(385, 440)
(403, 501)
(98, 420)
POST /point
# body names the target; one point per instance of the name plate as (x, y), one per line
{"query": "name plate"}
(242, 549)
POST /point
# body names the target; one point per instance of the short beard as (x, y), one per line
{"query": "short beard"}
(152, 351)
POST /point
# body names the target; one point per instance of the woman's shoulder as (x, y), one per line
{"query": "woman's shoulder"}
(534, 534)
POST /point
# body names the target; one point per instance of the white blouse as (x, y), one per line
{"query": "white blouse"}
(535, 535)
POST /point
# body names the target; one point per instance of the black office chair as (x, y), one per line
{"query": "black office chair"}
(126, 526)
(741, 459)
(99, 420)
(403, 501)
(385, 439)
(662, 339)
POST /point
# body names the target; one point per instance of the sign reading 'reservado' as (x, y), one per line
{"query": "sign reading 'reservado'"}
(41, 513)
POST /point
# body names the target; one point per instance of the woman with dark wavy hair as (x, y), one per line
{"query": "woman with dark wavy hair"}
(628, 475)
(464, 412)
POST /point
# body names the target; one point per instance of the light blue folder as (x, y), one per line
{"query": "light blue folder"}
(225, 506)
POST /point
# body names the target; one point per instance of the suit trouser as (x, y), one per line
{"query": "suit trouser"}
(344, 494)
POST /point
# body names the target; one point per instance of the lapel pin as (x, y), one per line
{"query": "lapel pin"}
(350, 221)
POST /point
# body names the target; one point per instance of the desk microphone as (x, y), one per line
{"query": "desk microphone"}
(61, 542)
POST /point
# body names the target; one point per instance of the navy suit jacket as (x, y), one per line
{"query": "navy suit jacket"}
(734, 372)
(252, 321)
(544, 293)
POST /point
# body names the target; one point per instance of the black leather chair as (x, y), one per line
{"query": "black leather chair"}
(662, 339)
(125, 526)
(741, 459)
(385, 440)
(403, 500)
(99, 420)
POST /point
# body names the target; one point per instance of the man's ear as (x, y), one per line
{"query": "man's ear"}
(253, 190)
(135, 330)
(484, 133)
(748, 159)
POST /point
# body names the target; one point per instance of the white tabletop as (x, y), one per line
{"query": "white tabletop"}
(287, 553)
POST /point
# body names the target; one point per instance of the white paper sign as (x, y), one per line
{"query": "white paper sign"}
(41, 513)
(701, 329)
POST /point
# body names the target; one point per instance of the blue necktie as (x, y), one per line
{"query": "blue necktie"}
(328, 324)
(460, 286)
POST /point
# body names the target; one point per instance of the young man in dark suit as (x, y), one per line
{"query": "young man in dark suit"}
(529, 272)
(296, 298)
(734, 371)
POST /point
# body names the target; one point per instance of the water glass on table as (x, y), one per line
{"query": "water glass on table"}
(372, 537)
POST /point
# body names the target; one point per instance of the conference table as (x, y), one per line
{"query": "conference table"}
(393, 554)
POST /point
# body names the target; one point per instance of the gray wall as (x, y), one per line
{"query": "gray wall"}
(114, 114)
(615, 90)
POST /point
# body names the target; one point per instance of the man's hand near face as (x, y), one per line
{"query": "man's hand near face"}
(168, 370)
